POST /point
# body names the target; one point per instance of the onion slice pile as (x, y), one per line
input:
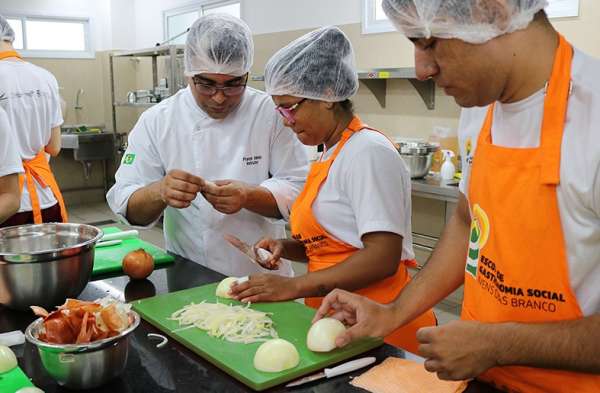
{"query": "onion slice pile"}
(238, 324)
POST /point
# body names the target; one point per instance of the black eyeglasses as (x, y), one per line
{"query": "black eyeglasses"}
(211, 90)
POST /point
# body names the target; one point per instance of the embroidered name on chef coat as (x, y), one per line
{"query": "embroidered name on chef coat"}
(251, 160)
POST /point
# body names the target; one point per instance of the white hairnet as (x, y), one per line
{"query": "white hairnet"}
(473, 21)
(6, 32)
(219, 44)
(319, 65)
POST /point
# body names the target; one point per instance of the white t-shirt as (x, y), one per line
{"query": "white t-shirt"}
(367, 190)
(10, 162)
(29, 95)
(518, 125)
(251, 145)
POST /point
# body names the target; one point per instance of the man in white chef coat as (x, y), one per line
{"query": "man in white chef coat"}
(214, 158)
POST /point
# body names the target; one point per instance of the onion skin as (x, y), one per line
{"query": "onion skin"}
(138, 264)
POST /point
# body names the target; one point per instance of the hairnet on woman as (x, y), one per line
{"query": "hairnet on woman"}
(351, 222)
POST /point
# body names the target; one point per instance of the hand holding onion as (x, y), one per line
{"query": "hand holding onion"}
(138, 264)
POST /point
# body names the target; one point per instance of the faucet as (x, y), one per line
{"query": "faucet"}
(78, 98)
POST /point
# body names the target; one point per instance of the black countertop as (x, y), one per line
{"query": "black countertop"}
(172, 368)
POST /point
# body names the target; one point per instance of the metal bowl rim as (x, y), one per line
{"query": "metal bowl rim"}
(82, 245)
(79, 348)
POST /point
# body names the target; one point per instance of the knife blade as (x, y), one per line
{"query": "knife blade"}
(344, 368)
(248, 250)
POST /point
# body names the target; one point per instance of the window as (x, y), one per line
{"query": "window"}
(52, 37)
(374, 19)
(178, 20)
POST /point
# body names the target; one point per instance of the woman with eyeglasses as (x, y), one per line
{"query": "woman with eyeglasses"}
(352, 221)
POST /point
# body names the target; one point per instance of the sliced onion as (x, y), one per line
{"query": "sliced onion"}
(8, 360)
(238, 324)
(276, 355)
(321, 336)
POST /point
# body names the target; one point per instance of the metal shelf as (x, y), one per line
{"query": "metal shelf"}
(376, 81)
(136, 105)
(164, 50)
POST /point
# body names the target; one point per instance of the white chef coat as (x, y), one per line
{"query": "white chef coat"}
(10, 161)
(29, 95)
(251, 145)
(518, 125)
(368, 189)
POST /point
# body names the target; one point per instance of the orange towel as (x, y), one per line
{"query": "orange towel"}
(395, 375)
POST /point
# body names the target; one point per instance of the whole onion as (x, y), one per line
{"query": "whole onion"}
(138, 264)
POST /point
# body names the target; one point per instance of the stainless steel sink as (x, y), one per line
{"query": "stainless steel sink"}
(89, 143)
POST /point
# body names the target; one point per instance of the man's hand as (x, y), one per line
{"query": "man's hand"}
(178, 188)
(366, 317)
(458, 350)
(265, 288)
(226, 196)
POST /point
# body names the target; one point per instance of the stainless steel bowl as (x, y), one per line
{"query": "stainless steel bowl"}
(418, 165)
(418, 156)
(83, 366)
(44, 264)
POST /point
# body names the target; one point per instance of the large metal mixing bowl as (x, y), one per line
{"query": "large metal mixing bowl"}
(418, 165)
(418, 157)
(44, 264)
(84, 366)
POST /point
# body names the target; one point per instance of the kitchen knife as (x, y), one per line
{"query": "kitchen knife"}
(334, 372)
(247, 250)
(119, 235)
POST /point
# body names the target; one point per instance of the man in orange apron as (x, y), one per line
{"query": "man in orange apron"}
(373, 259)
(528, 210)
(39, 101)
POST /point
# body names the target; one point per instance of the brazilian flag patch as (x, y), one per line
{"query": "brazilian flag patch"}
(128, 159)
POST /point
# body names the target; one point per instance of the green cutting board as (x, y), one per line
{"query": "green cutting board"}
(13, 380)
(292, 321)
(109, 259)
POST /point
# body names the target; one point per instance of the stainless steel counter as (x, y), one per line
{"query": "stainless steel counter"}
(433, 187)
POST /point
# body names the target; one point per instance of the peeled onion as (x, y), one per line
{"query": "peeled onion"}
(30, 389)
(8, 360)
(138, 264)
(225, 285)
(276, 355)
(321, 336)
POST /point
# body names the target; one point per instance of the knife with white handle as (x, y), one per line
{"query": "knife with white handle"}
(344, 368)
(119, 235)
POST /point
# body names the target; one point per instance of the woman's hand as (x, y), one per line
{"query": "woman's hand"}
(265, 288)
(275, 247)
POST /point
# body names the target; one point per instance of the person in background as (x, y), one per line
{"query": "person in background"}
(215, 158)
(352, 220)
(29, 95)
(525, 238)
(10, 168)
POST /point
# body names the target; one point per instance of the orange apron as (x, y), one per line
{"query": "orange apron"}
(38, 168)
(517, 267)
(9, 53)
(324, 251)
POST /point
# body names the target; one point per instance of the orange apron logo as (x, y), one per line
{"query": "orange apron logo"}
(480, 231)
